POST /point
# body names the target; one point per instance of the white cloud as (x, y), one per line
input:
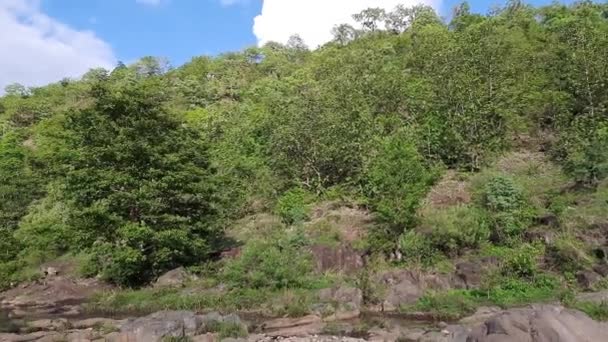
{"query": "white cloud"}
(37, 49)
(314, 19)
(149, 2)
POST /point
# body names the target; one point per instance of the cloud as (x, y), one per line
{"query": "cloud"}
(37, 49)
(314, 19)
(149, 2)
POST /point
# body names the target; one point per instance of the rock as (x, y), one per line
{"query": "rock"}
(281, 323)
(209, 337)
(594, 297)
(586, 279)
(405, 287)
(601, 269)
(549, 220)
(60, 324)
(342, 315)
(231, 253)
(51, 272)
(539, 323)
(163, 324)
(340, 259)
(601, 253)
(344, 296)
(540, 234)
(95, 323)
(469, 274)
(297, 331)
(482, 314)
(174, 278)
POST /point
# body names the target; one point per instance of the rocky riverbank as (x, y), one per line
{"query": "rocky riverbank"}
(533, 323)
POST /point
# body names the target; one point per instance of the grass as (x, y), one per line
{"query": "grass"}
(144, 301)
(597, 311)
(226, 330)
(509, 292)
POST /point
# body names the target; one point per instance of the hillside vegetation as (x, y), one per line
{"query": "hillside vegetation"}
(485, 137)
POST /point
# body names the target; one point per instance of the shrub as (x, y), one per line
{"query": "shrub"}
(291, 207)
(398, 178)
(455, 229)
(510, 213)
(502, 195)
(522, 262)
(447, 305)
(416, 247)
(270, 264)
(45, 228)
(568, 254)
(587, 157)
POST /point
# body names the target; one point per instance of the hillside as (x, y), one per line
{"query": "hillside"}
(410, 165)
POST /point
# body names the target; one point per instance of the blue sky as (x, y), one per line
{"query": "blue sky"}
(53, 39)
(176, 29)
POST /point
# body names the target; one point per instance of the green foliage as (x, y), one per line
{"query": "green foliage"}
(456, 229)
(509, 211)
(139, 168)
(416, 247)
(587, 160)
(292, 206)
(523, 261)
(270, 264)
(597, 311)
(508, 292)
(398, 179)
(568, 254)
(448, 305)
(140, 185)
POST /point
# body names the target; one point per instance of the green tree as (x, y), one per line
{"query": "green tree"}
(140, 182)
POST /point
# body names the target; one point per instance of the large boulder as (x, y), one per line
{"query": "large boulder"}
(405, 287)
(539, 323)
(174, 278)
(342, 258)
(161, 325)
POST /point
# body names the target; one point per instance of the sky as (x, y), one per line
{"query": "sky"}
(43, 41)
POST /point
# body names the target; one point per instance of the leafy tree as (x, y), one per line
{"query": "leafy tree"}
(140, 184)
(398, 179)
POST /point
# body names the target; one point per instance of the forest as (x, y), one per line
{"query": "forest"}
(138, 170)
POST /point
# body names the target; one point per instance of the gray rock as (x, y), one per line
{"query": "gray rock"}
(469, 274)
(539, 323)
(594, 297)
(587, 279)
(601, 269)
(344, 297)
(405, 287)
(174, 278)
(160, 325)
(340, 259)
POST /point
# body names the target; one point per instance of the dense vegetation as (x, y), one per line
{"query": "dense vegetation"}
(141, 169)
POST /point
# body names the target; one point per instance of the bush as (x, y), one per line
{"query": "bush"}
(416, 247)
(291, 207)
(270, 264)
(455, 229)
(45, 229)
(398, 178)
(568, 254)
(510, 213)
(140, 254)
(587, 157)
(522, 262)
(449, 305)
